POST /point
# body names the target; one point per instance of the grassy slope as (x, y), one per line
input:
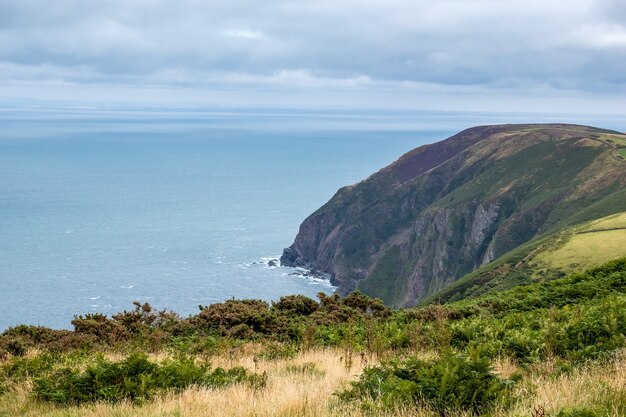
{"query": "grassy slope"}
(589, 245)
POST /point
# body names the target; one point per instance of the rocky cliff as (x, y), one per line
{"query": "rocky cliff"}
(443, 210)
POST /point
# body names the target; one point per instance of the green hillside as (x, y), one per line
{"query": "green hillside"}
(446, 210)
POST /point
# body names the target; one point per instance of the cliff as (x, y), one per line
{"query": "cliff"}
(444, 210)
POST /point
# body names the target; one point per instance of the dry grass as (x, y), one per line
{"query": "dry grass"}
(585, 388)
(286, 394)
(300, 394)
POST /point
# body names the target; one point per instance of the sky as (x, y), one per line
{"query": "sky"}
(483, 55)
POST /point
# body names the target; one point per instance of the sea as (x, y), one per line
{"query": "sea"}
(181, 207)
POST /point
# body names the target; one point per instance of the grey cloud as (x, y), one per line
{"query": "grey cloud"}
(564, 44)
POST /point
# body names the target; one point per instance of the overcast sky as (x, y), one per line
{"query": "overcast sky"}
(530, 55)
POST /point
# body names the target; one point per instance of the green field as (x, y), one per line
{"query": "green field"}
(589, 245)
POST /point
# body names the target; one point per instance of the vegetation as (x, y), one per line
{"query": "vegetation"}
(584, 246)
(445, 385)
(135, 378)
(444, 210)
(500, 354)
(591, 244)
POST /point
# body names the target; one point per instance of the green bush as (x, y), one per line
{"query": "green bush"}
(240, 318)
(19, 339)
(145, 318)
(577, 412)
(296, 305)
(450, 383)
(101, 327)
(135, 379)
(20, 368)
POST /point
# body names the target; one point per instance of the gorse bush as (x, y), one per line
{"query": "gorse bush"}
(135, 379)
(19, 339)
(296, 305)
(450, 383)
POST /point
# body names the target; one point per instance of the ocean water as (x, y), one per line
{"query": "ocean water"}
(179, 207)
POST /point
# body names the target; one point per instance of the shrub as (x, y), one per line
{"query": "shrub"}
(366, 305)
(16, 346)
(144, 318)
(21, 368)
(135, 379)
(254, 314)
(195, 345)
(17, 340)
(450, 383)
(101, 327)
(355, 306)
(296, 305)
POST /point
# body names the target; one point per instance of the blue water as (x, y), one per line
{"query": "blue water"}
(177, 208)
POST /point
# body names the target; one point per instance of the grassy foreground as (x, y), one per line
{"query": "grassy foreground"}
(552, 348)
(305, 386)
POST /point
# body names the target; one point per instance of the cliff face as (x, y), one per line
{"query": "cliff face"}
(443, 210)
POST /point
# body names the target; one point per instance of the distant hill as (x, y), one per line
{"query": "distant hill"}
(462, 205)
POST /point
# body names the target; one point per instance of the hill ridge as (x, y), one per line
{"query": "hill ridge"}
(445, 209)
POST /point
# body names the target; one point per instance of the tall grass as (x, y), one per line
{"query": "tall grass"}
(292, 391)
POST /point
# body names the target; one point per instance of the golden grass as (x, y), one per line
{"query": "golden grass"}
(585, 388)
(295, 394)
(286, 394)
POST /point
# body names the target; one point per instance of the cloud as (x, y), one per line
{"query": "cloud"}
(604, 36)
(244, 33)
(249, 45)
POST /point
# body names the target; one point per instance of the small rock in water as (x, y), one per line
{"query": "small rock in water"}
(273, 262)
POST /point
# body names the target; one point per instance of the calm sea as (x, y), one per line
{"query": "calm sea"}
(180, 207)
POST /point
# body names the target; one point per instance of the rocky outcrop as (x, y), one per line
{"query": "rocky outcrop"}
(443, 210)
